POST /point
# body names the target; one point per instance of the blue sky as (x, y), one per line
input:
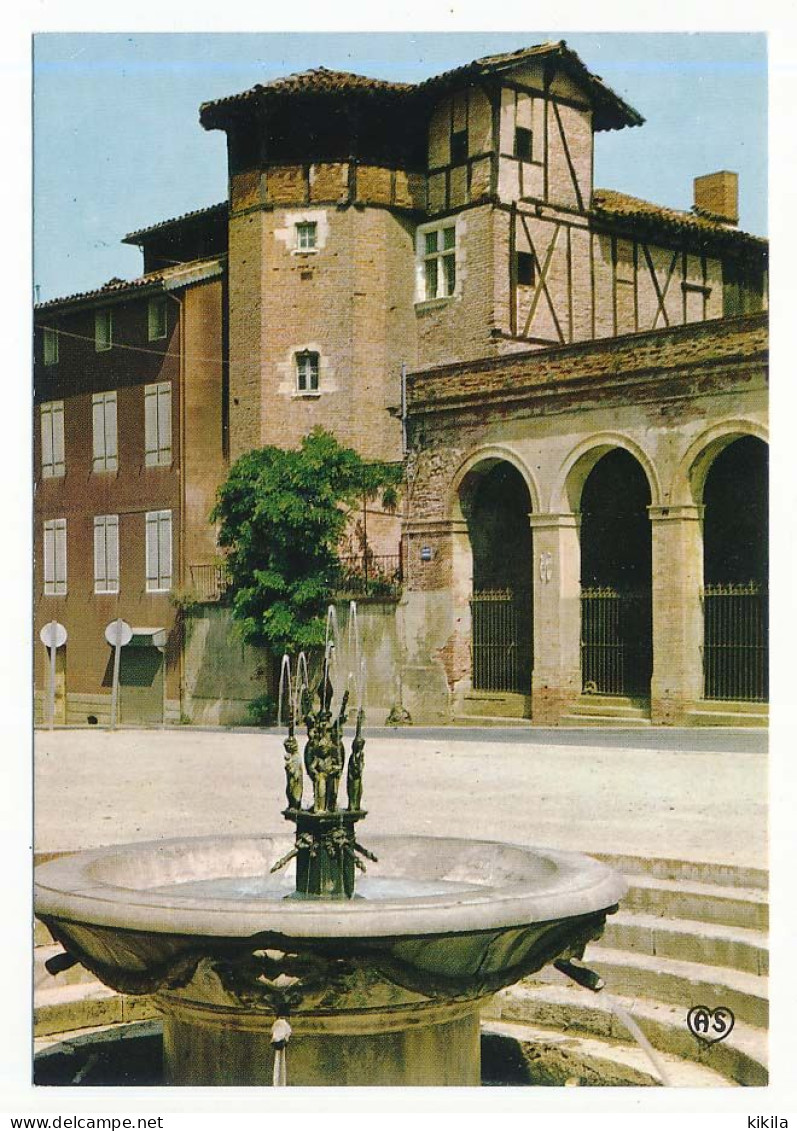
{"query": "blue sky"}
(118, 145)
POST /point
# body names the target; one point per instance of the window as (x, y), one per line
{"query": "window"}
(306, 235)
(50, 346)
(103, 420)
(156, 318)
(52, 433)
(106, 553)
(55, 557)
(438, 255)
(459, 147)
(307, 372)
(103, 330)
(523, 144)
(159, 551)
(158, 424)
(525, 269)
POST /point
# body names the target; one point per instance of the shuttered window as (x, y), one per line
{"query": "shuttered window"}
(157, 323)
(103, 413)
(158, 424)
(50, 346)
(52, 434)
(106, 553)
(159, 551)
(55, 557)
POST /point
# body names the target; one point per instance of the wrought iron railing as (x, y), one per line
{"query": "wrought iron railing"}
(736, 642)
(208, 582)
(500, 659)
(370, 575)
(616, 652)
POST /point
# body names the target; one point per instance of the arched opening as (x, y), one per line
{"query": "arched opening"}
(616, 637)
(735, 572)
(495, 504)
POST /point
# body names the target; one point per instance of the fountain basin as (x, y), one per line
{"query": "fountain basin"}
(385, 988)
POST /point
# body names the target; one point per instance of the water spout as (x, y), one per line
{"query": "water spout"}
(625, 1017)
(285, 681)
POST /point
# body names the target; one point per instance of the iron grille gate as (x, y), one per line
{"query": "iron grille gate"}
(616, 653)
(736, 642)
(499, 660)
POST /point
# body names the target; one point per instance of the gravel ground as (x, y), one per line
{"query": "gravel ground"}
(93, 787)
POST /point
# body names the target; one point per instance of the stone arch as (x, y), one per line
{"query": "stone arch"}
(690, 478)
(573, 472)
(490, 454)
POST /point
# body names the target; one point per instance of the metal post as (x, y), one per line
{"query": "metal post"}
(117, 652)
(53, 651)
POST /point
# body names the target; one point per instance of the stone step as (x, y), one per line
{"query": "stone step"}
(673, 980)
(711, 944)
(585, 1061)
(724, 875)
(691, 899)
(720, 713)
(597, 720)
(606, 706)
(85, 1005)
(475, 721)
(742, 1056)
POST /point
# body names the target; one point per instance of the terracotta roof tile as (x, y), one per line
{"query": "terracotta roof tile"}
(220, 209)
(168, 279)
(317, 80)
(613, 205)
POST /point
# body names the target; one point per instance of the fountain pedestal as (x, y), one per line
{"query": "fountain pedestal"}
(416, 1044)
(325, 852)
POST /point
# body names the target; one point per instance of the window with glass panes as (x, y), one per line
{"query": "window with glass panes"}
(439, 262)
(306, 234)
(307, 372)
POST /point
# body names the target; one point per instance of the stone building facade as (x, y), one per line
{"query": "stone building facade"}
(428, 271)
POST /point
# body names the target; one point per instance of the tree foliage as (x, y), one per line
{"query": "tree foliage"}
(282, 514)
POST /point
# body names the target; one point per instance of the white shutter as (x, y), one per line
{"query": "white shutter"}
(165, 550)
(151, 425)
(47, 440)
(110, 432)
(60, 556)
(112, 552)
(98, 431)
(165, 423)
(152, 550)
(100, 555)
(49, 558)
(59, 465)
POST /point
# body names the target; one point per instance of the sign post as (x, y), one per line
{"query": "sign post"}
(52, 636)
(117, 633)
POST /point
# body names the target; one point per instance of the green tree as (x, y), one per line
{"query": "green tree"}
(282, 514)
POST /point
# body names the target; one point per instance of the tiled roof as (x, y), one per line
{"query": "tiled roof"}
(611, 112)
(613, 205)
(317, 80)
(169, 279)
(209, 212)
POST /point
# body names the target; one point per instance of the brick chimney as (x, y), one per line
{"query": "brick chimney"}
(717, 195)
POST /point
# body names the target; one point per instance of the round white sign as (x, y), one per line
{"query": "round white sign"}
(53, 634)
(118, 632)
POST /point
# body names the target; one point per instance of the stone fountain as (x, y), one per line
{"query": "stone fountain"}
(270, 964)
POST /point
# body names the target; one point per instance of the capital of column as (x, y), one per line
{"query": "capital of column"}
(682, 512)
(570, 521)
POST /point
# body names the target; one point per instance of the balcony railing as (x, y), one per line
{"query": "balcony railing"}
(208, 582)
(370, 575)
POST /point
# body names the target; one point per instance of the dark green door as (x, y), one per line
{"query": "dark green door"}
(141, 685)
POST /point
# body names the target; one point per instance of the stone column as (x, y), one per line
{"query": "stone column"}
(677, 681)
(556, 557)
(434, 618)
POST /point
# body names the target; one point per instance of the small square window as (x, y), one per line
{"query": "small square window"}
(103, 330)
(459, 147)
(50, 346)
(525, 269)
(156, 319)
(523, 144)
(307, 372)
(306, 236)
